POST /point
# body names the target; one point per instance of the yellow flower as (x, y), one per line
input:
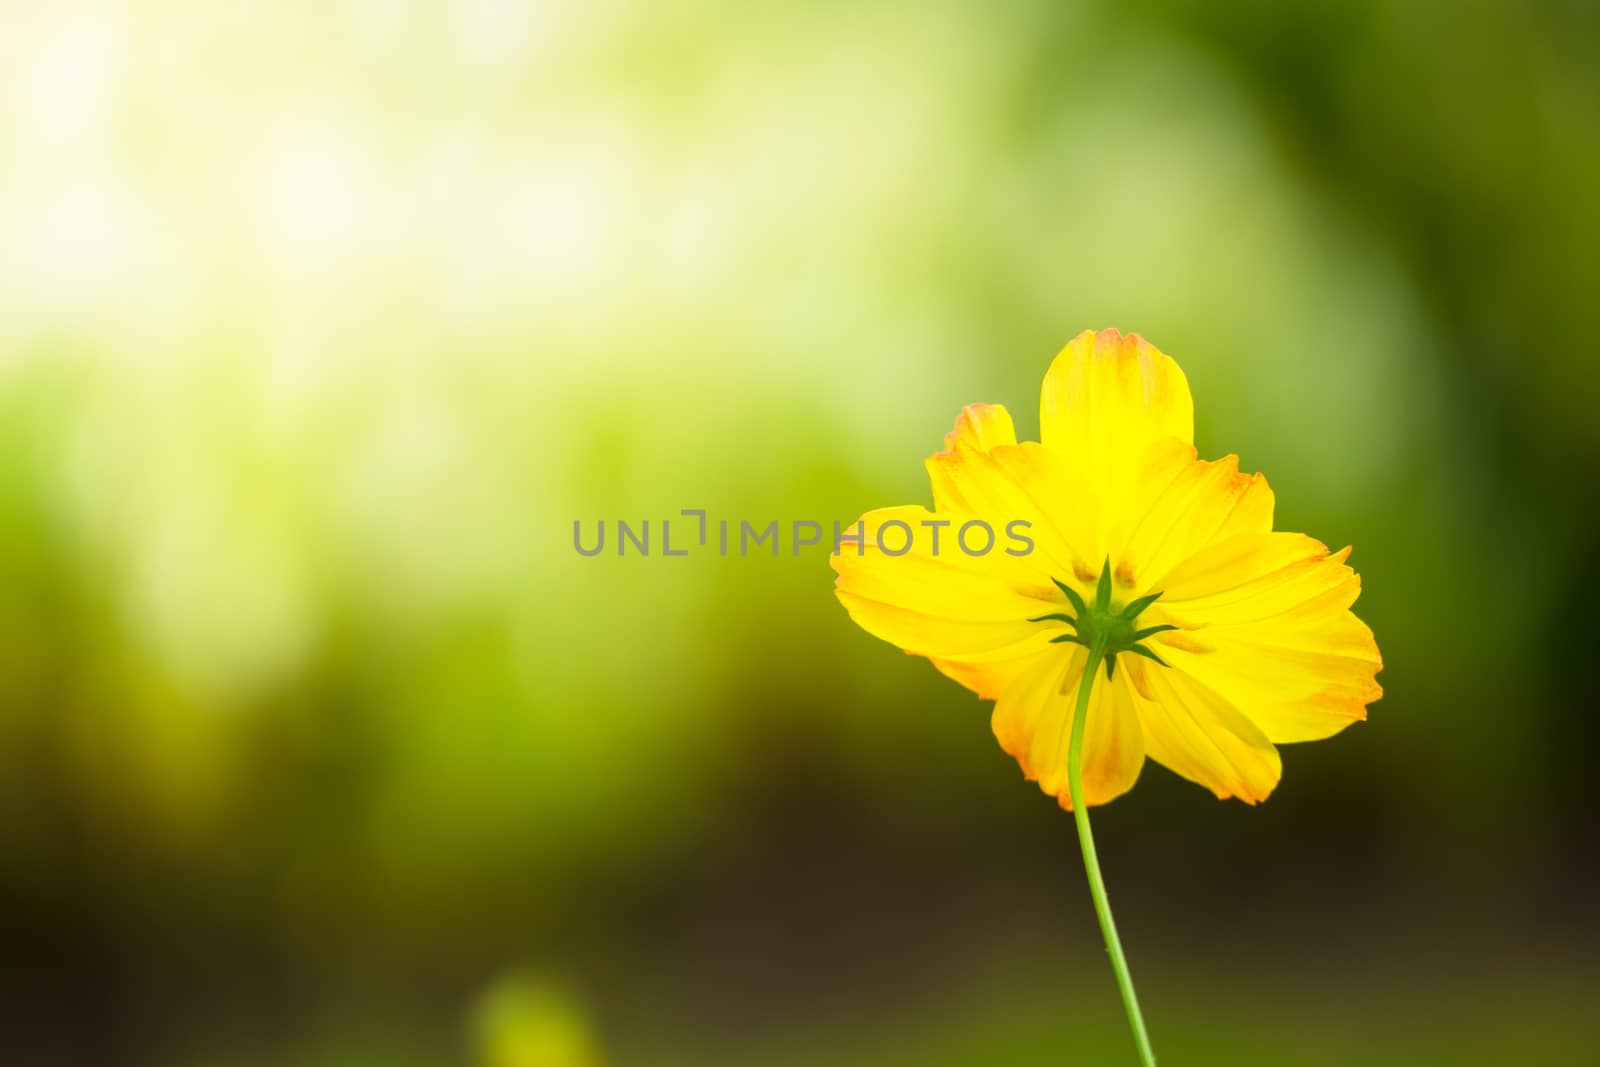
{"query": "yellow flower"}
(1239, 637)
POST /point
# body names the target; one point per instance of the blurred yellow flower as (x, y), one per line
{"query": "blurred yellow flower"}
(529, 1020)
(1239, 637)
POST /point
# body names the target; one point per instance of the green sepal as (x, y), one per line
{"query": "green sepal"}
(1151, 630)
(1072, 595)
(1131, 612)
(1102, 595)
(1145, 652)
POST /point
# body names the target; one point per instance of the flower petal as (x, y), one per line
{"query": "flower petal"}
(989, 678)
(1181, 505)
(1266, 623)
(935, 600)
(1195, 732)
(1030, 484)
(1032, 720)
(981, 426)
(1108, 397)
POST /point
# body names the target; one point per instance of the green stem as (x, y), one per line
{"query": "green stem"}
(1091, 862)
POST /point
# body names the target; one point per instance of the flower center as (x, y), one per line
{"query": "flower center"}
(1104, 626)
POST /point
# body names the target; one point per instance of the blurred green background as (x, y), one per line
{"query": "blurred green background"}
(320, 324)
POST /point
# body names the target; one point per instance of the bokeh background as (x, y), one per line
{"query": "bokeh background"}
(321, 323)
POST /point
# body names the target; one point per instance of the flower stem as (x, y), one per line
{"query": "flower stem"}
(1091, 862)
